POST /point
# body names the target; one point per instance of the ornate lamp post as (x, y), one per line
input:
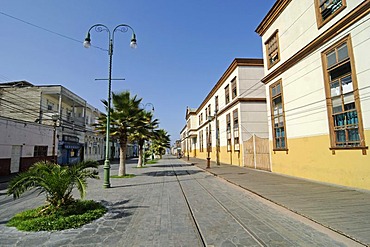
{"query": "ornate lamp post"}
(152, 110)
(148, 104)
(99, 28)
(217, 139)
(209, 146)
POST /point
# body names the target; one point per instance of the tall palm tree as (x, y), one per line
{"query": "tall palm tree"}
(161, 142)
(143, 131)
(56, 181)
(124, 119)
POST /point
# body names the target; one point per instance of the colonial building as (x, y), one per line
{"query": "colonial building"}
(317, 80)
(49, 105)
(230, 118)
(42, 109)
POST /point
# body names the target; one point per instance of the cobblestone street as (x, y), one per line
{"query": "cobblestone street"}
(174, 203)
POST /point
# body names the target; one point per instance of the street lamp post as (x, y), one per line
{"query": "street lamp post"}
(188, 141)
(55, 118)
(152, 111)
(217, 139)
(210, 118)
(99, 28)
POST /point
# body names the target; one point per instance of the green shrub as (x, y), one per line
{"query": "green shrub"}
(73, 215)
(55, 180)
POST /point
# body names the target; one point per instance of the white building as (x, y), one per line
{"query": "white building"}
(317, 75)
(231, 119)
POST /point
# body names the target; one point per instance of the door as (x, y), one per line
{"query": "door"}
(15, 158)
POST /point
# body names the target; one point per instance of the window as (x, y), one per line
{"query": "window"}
(228, 132)
(272, 50)
(327, 9)
(206, 113)
(200, 118)
(228, 123)
(236, 144)
(233, 88)
(236, 130)
(216, 103)
(277, 116)
(209, 110)
(236, 120)
(40, 151)
(342, 96)
(227, 95)
(50, 105)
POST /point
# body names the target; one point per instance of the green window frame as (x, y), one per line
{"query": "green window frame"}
(278, 117)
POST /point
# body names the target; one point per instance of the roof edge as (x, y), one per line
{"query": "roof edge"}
(271, 16)
(258, 62)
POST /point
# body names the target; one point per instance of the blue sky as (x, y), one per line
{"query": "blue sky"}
(183, 48)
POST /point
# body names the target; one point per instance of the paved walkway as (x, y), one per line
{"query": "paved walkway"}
(342, 209)
(151, 209)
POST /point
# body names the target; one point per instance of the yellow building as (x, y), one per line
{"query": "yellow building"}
(317, 77)
(231, 119)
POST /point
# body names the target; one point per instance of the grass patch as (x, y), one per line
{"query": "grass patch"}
(125, 176)
(74, 215)
(149, 162)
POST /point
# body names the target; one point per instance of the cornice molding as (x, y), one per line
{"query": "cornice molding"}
(271, 16)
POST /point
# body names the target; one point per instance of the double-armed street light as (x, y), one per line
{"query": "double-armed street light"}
(99, 28)
(148, 104)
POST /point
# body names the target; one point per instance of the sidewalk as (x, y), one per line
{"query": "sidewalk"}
(342, 209)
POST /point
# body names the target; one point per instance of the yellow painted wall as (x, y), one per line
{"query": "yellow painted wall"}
(311, 158)
(233, 158)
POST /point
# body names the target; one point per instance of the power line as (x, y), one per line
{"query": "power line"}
(50, 31)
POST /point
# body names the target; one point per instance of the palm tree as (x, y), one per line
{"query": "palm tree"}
(161, 142)
(56, 181)
(124, 118)
(144, 131)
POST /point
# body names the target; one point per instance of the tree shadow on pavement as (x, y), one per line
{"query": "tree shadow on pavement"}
(171, 173)
(172, 165)
(118, 210)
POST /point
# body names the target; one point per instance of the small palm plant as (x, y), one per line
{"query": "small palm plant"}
(56, 181)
